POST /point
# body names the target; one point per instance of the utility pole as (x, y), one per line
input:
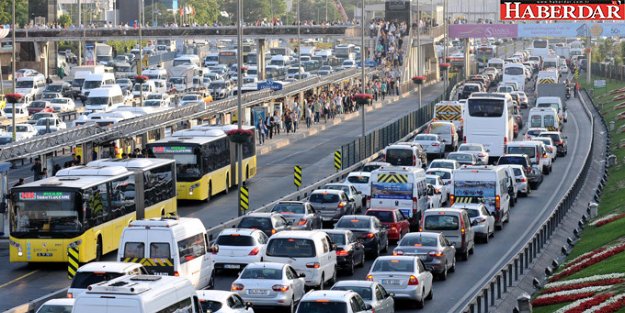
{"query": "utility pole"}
(14, 135)
(239, 104)
(419, 48)
(80, 25)
(363, 53)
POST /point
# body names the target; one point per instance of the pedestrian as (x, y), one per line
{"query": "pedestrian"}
(37, 169)
(262, 130)
(317, 109)
(288, 121)
(277, 122)
(78, 160)
(268, 124)
(308, 116)
(55, 169)
(383, 89)
(19, 182)
(297, 113)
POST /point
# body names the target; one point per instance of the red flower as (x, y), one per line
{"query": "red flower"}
(240, 132)
(363, 96)
(444, 66)
(561, 299)
(13, 97)
(613, 307)
(583, 285)
(141, 79)
(586, 263)
(243, 68)
(419, 80)
(610, 220)
(596, 300)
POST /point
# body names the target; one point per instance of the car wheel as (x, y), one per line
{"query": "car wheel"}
(352, 267)
(211, 281)
(430, 294)
(465, 255)
(443, 274)
(453, 266)
(292, 306)
(362, 260)
(332, 281)
(485, 240)
(421, 302)
(385, 249)
(322, 283)
(376, 251)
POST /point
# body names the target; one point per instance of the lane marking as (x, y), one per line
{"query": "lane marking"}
(18, 279)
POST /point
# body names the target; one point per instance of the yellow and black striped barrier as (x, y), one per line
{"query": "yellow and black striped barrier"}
(546, 81)
(150, 262)
(72, 262)
(244, 205)
(338, 160)
(464, 199)
(393, 178)
(297, 176)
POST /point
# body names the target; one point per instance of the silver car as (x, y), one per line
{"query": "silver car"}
(433, 144)
(521, 180)
(332, 204)
(482, 221)
(270, 284)
(476, 149)
(371, 292)
(299, 214)
(434, 250)
(360, 201)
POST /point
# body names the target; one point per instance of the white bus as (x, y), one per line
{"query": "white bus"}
(514, 72)
(540, 47)
(489, 121)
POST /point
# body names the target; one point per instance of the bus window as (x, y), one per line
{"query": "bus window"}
(485, 108)
(97, 203)
(159, 185)
(123, 196)
(514, 71)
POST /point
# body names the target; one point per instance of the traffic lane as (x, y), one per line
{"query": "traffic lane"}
(525, 218)
(275, 170)
(275, 179)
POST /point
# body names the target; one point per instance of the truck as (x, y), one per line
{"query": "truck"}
(450, 111)
(549, 76)
(181, 77)
(552, 90)
(103, 54)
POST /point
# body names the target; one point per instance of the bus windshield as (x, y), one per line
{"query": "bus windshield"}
(49, 213)
(486, 107)
(514, 71)
(187, 167)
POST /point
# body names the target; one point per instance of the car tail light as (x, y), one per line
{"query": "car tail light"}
(342, 204)
(370, 277)
(436, 254)
(254, 251)
(414, 199)
(176, 274)
(497, 202)
(505, 140)
(464, 138)
(435, 144)
(273, 231)
(280, 288)
(302, 222)
(452, 199)
(236, 287)
(413, 280)
(368, 235)
(414, 160)
(70, 295)
(342, 253)
(481, 155)
(313, 265)
(523, 179)
(398, 252)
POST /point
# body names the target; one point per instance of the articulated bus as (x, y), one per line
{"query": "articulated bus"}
(87, 207)
(206, 160)
(489, 120)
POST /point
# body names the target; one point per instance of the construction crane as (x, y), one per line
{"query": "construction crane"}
(341, 9)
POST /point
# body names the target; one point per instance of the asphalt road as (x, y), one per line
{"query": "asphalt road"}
(20, 283)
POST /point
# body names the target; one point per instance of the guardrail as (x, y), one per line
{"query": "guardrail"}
(513, 271)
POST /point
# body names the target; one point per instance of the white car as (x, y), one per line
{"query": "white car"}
(552, 150)
(444, 163)
(347, 64)
(371, 292)
(268, 284)
(360, 181)
(476, 149)
(482, 221)
(521, 180)
(432, 144)
(336, 301)
(218, 301)
(405, 276)
(55, 124)
(23, 131)
(446, 176)
(96, 272)
(21, 111)
(63, 305)
(441, 194)
(190, 98)
(63, 104)
(564, 69)
(239, 247)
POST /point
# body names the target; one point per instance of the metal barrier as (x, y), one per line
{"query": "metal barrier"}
(513, 271)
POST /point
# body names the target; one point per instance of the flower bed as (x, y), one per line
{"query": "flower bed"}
(611, 305)
(363, 98)
(591, 260)
(140, 79)
(13, 97)
(584, 280)
(418, 80)
(604, 282)
(582, 305)
(584, 256)
(607, 219)
(240, 135)
(568, 295)
(444, 66)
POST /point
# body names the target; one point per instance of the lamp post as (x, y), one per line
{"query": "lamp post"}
(419, 48)
(13, 67)
(363, 53)
(299, 39)
(140, 69)
(239, 109)
(445, 41)
(79, 25)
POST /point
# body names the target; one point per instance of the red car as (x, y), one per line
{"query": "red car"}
(394, 220)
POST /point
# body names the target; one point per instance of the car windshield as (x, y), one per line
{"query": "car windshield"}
(97, 101)
(368, 168)
(50, 213)
(394, 265)
(358, 179)
(216, 85)
(289, 208)
(322, 307)
(399, 157)
(324, 198)
(59, 100)
(338, 239)
(418, 241)
(472, 212)
(255, 222)
(460, 157)
(441, 222)
(517, 171)
(82, 280)
(353, 223)
(24, 84)
(38, 104)
(425, 138)
(430, 180)
(18, 128)
(440, 164)
(549, 105)
(45, 121)
(91, 84)
(534, 132)
(441, 174)
(486, 107)
(512, 160)
(191, 98)
(383, 216)
(291, 247)
(235, 240)
(54, 88)
(152, 103)
(554, 137)
(47, 308)
(530, 151)
(364, 292)
(262, 273)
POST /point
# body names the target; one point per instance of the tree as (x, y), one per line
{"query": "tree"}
(160, 13)
(206, 11)
(254, 10)
(65, 20)
(21, 12)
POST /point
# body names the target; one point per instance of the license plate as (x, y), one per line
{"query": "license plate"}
(423, 257)
(42, 254)
(390, 282)
(232, 266)
(258, 292)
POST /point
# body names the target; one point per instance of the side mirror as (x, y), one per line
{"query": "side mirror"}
(392, 294)
(333, 247)
(248, 305)
(301, 275)
(474, 223)
(368, 307)
(214, 248)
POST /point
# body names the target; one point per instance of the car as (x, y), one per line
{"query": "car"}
(444, 163)
(404, 276)
(435, 251)
(270, 284)
(482, 220)
(432, 144)
(446, 176)
(564, 69)
(559, 140)
(124, 83)
(523, 99)
(219, 89)
(476, 149)
(534, 132)
(23, 131)
(332, 204)
(347, 64)
(96, 272)
(521, 180)
(63, 305)
(63, 104)
(218, 301)
(438, 188)
(37, 116)
(239, 247)
(269, 223)
(327, 301)
(190, 99)
(367, 228)
(51, 123)
(299, 214)
(464, 158)
(372, 166)
(39, 106)
(64, 88)
(5, 139)
(394, 220)
(455, 225)
(350, 252)
(51, 95)
(534, 174)
(373, 293)
(360, 200)
(360, 181)
(21, 111)
(550, 148)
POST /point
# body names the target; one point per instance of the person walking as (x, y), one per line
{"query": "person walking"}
(308, 115)
(261, 128)
(288, 121)
(296, 116)
(269, 125)
(37, 169)
(383, 89)
(19, 182)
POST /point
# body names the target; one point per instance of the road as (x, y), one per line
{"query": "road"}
(20, 283)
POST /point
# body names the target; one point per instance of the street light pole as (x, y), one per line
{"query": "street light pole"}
(239, 108)
(446, 48)
(299, 38)
(13, 44)
(419, 15)
(79, 25)
(363, 53)
(141, 19)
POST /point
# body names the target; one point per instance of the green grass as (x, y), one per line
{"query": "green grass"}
(595, 237)
(549, 308)
(613, 264)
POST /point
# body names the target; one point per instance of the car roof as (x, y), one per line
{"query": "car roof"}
(467, 205)
(214, 295)
(260, 214)
(355, 283)
(329, 295)
(395, 257)
(422, 233)
(301, 234)
(60, 301)
(337, 231)
(272, 265)
(364, 173)
(383, 209)
(438, 210)
(332, 191)
(240, 231)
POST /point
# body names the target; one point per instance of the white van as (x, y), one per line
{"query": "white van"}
(404, 154)
(104, 99)
(139, 294)
(483, 183)
(170, 246)
(553, 102)
(535, 150)
(148, 87)
(280, 60)
(187, 59)
(544, 118)
(31, 86)
(496, 63)
(402, 187)
(93, 81)
(155, 73)
(97, 272)
(311, 253)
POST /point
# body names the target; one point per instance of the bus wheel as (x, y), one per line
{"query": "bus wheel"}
(247, 172)
(210, 191)
(163, 213)
(98, 249)
(228, 184)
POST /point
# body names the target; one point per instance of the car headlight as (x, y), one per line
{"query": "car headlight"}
(193, 187)
(75, 244)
